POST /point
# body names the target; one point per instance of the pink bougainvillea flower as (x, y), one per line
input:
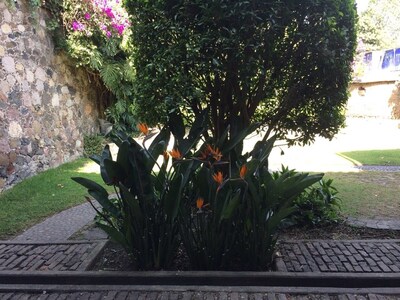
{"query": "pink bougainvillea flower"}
(77, 26)
(87, 16)
(108, 11)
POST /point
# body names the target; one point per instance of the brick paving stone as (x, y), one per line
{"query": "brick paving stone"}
(341, 256)
(41, 257)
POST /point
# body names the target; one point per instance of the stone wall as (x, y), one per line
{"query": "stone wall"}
(46, 105)
(379, 99)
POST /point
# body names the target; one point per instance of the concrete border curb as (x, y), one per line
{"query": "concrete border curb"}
(175, 288)
(201, 278)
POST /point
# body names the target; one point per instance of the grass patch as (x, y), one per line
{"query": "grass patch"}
(374, 157)
(368, 194)
(45, 194)
(363, 194)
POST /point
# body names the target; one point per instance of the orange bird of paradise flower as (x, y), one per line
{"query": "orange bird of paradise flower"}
(143, 128)
(243, 171)
(175, 154)
(166, 155)
(218, 177)
(210, 151)
(199, 202)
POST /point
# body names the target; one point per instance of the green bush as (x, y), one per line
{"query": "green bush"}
(318, 205)
(285, 64)
(92, 144)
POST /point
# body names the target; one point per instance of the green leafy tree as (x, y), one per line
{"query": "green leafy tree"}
(285, 64)
(379, 25)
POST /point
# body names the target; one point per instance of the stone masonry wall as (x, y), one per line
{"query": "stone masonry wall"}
(45, 104)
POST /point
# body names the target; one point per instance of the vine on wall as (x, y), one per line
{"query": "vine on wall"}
(95, 34)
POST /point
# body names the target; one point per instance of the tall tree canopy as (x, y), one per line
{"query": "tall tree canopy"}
(285, 64)
(379, 25)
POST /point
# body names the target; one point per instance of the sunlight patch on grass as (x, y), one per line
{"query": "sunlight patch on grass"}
(374, 157)
(89, 167)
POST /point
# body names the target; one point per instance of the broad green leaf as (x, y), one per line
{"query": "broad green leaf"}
(123, 161)
(131, 202)
(115, 171)
(237, 139)
(142, 181)
(230, 206)
(116, 235)
(106, 154)
(161, 139)
(176, 125)
(198, 126)
(99, 193)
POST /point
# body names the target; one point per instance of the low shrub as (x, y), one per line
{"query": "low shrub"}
(92, 144)
(317, 205)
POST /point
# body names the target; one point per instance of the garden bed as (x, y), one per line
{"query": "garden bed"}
(114, 257)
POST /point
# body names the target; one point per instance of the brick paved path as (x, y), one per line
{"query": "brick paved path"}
(67, 256)
(364, 256)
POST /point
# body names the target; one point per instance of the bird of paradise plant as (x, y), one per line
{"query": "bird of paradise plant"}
(143, 217)
(224, 206)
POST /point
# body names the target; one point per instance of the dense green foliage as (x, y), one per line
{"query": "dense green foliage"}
(379, 25)
(285, 64)
(317, 205)
(95, 35)
(227, 212)
(92, 144)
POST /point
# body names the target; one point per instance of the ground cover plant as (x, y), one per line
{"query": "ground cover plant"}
(40, 196)
(388, 157)
(318, 205)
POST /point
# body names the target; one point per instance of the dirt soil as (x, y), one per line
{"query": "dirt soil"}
(114, 257)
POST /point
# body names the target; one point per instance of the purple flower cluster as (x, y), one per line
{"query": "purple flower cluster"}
(108, 15)
(77, 26)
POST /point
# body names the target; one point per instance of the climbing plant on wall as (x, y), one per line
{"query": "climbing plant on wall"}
(95, 34)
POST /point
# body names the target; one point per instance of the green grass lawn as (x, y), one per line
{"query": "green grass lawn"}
(374, 157)
(368, 194)
(43, 195)
(363, 194)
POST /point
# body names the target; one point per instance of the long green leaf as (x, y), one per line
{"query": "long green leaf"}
(198, 126)
(143, 184)
(131, 202)
(106, 154)
(237, 139)
(115, 171)
(176, 125)
(99, 193)
(116, 235)
(230, 206)
(162, 138)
